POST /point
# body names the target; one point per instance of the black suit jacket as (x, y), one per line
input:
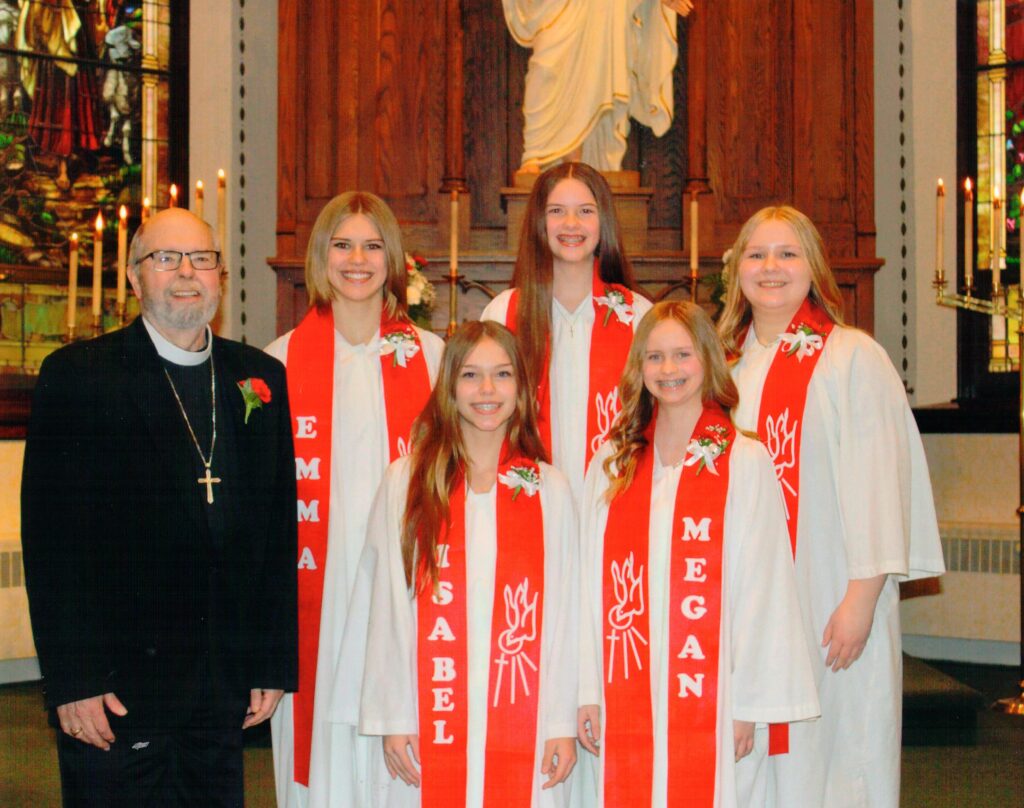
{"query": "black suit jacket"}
(135, 584)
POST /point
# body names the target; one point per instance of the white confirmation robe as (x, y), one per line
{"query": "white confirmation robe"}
(343, 767)
(866, 509)
(569, 378)
(384, 609)
(763, 670)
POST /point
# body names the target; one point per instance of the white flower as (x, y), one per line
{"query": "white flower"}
(803, 342)
(616, 302)
(401, 344)
(706, 450)
(521, 478)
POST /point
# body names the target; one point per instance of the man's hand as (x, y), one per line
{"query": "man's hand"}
(261, 706)
(86, 720)
(680, 7)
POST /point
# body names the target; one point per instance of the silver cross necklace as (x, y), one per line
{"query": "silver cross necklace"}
(208, 479)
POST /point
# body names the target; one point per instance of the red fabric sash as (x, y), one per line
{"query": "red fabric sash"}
(310, 371)
(610, 339)
(695, 612)
(780, 425)
(514, 678)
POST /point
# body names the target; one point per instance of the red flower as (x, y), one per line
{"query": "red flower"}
(259, 387)
(255, 394)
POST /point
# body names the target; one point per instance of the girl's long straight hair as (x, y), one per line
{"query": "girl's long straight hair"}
(535, 263)
(439, 457)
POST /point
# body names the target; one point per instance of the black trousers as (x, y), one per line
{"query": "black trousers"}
(177, 767)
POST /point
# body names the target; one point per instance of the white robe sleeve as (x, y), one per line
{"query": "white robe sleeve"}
(771, 677)
(388, 697)
(279, 347)
(593, 520)
(885, 495)
(641, 305)
(497, 309)
(561, 606)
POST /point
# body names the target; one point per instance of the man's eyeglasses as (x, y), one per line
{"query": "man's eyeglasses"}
(170, 260)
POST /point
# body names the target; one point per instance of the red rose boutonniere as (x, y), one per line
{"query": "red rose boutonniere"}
(255, 394)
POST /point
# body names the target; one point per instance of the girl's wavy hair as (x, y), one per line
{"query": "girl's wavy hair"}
(628, 432)
(736, 315)
(534, 268)
(439, 453)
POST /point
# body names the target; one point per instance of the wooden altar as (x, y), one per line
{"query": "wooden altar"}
(774, 103)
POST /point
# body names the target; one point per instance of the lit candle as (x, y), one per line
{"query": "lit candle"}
(97, 270)
(968, 234)
(173, 202)
(199, 199)
(694, 256)
(72, 280)
(122, 254)
(222, 210)
(145, 209)
(940, 227)
(997, 238)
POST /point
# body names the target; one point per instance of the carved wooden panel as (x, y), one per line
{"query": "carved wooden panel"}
(773, 103)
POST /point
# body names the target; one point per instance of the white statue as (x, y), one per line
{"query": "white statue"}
(595, 64)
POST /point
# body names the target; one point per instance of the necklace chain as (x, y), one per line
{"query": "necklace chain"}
(213, 411)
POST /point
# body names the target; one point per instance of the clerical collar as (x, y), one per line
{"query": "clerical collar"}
(172, 353)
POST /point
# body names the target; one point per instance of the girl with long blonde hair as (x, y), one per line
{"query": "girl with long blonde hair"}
(832, 412)
(689, 611)
(359, 372)
(471, 658)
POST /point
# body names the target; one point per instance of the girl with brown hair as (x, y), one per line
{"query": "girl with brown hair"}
(690, 625)
(471, 657)
(573, 310)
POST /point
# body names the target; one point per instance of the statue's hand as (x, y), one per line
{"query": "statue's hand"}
(681, 7)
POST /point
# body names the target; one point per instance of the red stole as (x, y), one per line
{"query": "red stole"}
(695, 611)
(780, 425)
(310, 371)
(610, 338)
(515, 650)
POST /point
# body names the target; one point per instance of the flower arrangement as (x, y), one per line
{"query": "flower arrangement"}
(419, 291)
(705, 450)
(521, 479)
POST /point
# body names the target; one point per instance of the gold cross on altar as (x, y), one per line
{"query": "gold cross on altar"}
(208, 481)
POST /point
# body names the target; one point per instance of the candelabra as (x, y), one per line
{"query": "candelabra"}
(998, 305)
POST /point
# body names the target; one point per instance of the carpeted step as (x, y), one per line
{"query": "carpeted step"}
(938, 710)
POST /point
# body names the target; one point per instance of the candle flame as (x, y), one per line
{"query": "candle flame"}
(174, 191)
(220, 175)
(123, 213)
(967, 185)
(941, 189)
(199, 186)
(99, 222)
(145, 201)
(74, 238)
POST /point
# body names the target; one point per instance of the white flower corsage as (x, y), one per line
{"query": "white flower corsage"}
(401, 345)
(615, 301)
(521, 478)
(804, 341)
(707, 449)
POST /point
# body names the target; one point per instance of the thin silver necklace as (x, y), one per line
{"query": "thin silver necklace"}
(208, 479)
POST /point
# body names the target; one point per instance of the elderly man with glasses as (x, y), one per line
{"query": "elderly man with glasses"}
(158, 524)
